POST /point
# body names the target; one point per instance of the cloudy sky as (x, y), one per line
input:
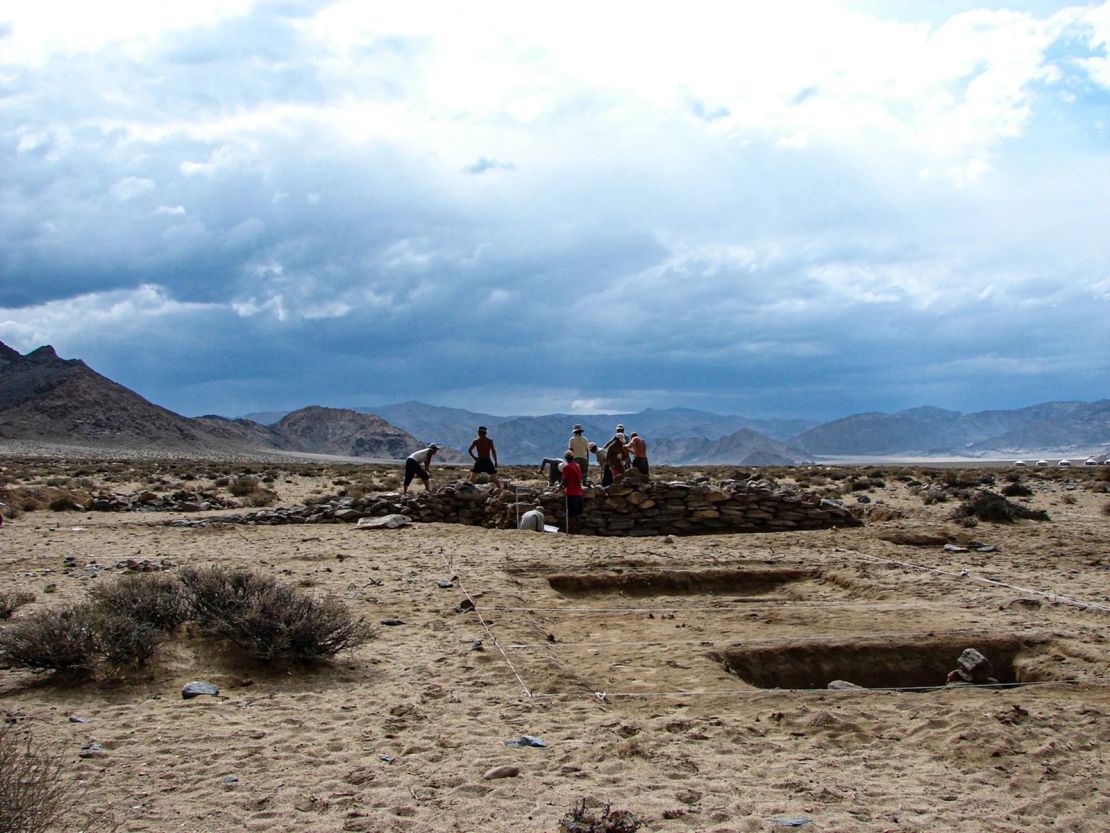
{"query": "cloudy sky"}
(771, 209)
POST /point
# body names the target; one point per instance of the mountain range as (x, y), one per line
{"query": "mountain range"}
(46, 398)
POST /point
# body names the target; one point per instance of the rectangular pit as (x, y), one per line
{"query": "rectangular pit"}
(909, 660)
(679, 582)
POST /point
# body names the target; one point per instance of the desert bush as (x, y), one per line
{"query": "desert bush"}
(52, 640)
(12, 600)
(63, 504)
(157, 601)
(1106, 509)
(1069, 500)
(1016, 489)
(989, 506)
(268, 620)
(260, 497)
(243, 486)
(33, 789)
(580, 819)
(222, 481)
(124, 642)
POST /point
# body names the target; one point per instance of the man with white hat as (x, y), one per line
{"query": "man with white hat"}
(580, 447)
(419, 464)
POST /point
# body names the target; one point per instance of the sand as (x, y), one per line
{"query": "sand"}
(626, 684)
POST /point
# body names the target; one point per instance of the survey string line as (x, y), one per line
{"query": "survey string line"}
(759, 692)
(783, 638)
(485, 626)
(966, 574)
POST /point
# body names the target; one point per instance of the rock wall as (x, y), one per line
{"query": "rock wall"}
(629, 508)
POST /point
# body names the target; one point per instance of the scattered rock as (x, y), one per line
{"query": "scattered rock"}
(501, 772)
(526, 740)
(844, 685)
(197, 688)
(391, 622)
(385, 522)
(91, 749)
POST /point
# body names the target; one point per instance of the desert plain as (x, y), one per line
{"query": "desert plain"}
(683, 679)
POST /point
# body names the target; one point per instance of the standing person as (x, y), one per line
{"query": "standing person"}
(580, 447)
(532, 519)
(638, 448)
(602, 463)
(484, 454)
(616, 456)
(572, 488)
(419, 464)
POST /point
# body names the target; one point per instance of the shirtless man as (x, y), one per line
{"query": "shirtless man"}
(484, 454)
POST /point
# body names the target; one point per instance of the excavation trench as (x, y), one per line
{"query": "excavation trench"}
(679, 582)
(908, 661)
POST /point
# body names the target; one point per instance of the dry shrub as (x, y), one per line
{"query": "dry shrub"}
(243, 486)
(260, 497)
(157, 601)
(123, 642)
(33, 789)
(605, 820)
(52, 640)
(12, 600)
(1106, 509)
(268, 620)
(1017, 489)
(989, 506)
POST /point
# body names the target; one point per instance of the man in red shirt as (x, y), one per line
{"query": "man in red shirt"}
(572, 488)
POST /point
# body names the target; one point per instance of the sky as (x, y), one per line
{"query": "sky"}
(789, 209)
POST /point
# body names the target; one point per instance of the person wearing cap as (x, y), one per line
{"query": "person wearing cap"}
(616, 459)
(572, 488)
(532, 519)
(419, 464)
(580, 447)
(484, 454)
(638, 448)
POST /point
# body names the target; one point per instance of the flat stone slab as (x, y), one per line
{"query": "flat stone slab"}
(384, 522)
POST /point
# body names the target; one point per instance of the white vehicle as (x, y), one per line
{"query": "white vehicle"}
(1064, 463)
(1090, 461)
(1020, 463)
(1042, 464)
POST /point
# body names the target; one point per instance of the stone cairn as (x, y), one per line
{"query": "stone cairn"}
(628, 508)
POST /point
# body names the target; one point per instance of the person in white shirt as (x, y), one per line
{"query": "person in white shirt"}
(419, 464)
(580, 447)
(532, 519)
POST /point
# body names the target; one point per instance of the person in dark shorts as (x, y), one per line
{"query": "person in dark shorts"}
(553, 466)
(484, 453)
(638, 448)
(572, 488)
(419, 464)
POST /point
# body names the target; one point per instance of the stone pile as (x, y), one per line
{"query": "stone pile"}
(147, 501)
(628, 508)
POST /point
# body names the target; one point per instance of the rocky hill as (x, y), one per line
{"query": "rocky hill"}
(1061, 426)
(49, 399)
(46, 398)
(744, 447)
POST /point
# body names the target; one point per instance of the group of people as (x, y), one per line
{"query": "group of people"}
(621, 452)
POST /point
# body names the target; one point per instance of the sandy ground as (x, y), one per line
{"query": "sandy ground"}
(628, 688)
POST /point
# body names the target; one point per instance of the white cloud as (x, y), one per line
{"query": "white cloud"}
(131, 187)
(85, 318)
